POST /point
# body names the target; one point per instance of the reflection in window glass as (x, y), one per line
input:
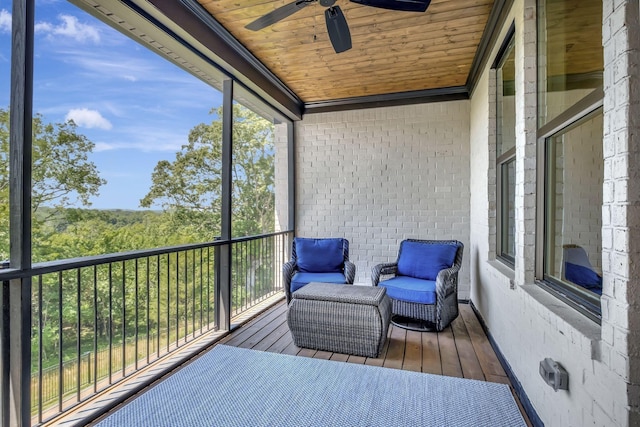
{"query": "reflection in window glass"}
(508, 209)
(506, 102)
(570, 57)
(573, 220)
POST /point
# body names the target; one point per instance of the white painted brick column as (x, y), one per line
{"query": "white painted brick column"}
(492, 172)
(621, 206)
(280, 135)
(526, 143)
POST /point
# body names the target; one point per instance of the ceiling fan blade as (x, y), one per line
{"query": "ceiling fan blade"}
(402, 5)
(338, 29)
(278, 14)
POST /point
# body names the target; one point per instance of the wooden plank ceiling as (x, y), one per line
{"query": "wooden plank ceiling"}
(392, 51)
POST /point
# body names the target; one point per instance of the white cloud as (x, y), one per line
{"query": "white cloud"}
(84, 117)
(103, 146)
(69, 27)
(143, 146)
(5, 21)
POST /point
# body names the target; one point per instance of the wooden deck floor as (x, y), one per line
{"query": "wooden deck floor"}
(462, 350)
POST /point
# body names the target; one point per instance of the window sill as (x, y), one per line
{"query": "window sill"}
(504, 270)
(581, 330)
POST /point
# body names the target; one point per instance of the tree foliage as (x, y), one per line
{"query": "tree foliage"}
(62, 174)
(190, 186)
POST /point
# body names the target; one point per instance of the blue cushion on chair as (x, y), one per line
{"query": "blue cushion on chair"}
(319, 255)
(425, 260)
(410, 289)
(300, 279)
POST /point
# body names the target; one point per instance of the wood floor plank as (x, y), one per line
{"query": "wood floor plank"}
(339, 357)
(283, 343)
(449, 354)
(356, 359)
(431, 362)
(498, 379)
(255, 326)
(307, 352)
(267, 329)
(321, 354)
(468, 359)
(486, 355)
(379, 361)
(413, 352)
(291, 349)
(274, 336)
(395, 353)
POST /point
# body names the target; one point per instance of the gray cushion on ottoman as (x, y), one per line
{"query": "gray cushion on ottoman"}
(341, 319)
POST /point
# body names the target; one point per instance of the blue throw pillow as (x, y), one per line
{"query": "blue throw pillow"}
(319, 255)
(425, 260)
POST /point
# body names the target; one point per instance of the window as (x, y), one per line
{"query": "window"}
(506, 153)
(573, 202)
(570, 57)
(570, 155)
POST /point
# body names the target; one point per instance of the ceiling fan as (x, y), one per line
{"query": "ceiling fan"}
(337, 26)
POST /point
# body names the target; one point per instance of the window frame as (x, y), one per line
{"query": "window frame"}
(571, 117)
(502, 159)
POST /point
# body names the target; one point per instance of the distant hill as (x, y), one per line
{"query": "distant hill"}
(60, 219)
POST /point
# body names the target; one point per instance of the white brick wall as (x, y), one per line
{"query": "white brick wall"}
(527, 323)
(378, 176)
(621, 208)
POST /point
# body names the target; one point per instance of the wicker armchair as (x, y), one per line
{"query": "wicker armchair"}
(317, 260)
(424, 283)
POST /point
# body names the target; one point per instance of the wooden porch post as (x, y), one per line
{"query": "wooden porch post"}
(16, 294)
(224, 285)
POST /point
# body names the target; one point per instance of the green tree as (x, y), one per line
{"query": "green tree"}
(190, 186)
(62, 174)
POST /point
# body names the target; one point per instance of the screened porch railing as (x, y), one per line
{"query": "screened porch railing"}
(98, 320)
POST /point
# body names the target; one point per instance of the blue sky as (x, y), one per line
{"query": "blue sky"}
(135, 106)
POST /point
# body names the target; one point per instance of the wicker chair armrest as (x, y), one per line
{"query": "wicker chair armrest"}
(289, 268)
(380, 269)
(447, 281)
(349, 272)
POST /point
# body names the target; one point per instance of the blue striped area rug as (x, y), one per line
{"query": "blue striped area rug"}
(231, 386)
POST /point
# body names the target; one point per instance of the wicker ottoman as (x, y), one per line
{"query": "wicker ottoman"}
(341, 319)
